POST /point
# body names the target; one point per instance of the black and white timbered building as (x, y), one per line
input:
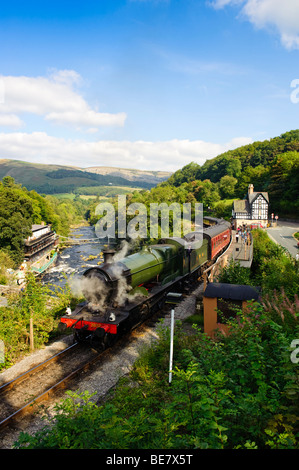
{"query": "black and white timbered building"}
(251, 211)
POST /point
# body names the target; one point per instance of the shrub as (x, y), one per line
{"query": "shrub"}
(240, 391)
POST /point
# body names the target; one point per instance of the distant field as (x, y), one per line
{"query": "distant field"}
(72, 196)
(92, 192)
(107, 191)
(64, 195)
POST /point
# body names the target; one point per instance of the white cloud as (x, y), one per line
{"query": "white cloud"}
(54, 98)
(87, 118)
(168, 155)
(10, 120)
(283, 15)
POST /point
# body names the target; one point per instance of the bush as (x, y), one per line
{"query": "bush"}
(6, 263)
(38, 302)
(272, 268)
(238, 392)
(234, 273)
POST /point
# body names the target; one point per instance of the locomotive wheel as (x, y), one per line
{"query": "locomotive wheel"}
(100, 340)
(81, 336)
(144, 310)
(96, 344)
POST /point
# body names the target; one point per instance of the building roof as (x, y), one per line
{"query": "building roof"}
(232, 291)
(241, 206)
(213, 230)
(36, 227)
(254, 195)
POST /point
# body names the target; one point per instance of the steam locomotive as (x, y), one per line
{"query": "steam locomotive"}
(122, 294)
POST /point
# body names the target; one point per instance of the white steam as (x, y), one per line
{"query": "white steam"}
(95, 290)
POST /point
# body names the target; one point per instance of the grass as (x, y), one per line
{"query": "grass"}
(105, 192)
(196, 319)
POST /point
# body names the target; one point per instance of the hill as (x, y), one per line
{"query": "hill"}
(152, 177)
(271, 165)
(52, 179)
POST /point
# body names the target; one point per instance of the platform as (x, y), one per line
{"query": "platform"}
(242, 252)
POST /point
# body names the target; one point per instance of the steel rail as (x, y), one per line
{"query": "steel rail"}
(9, 385)
(50, 391)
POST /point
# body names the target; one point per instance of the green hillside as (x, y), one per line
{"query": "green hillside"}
(52, 179)
(271, 165)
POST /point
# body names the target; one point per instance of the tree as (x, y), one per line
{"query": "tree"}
(9, 182)
(15, 220)
(187, 173)
(284, 184)
(227, 186)
(259, 176)
(206, 192)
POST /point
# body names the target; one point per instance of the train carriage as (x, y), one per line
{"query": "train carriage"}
(218, 237)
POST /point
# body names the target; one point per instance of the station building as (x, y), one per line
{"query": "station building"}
(41, 242)
(251, 211)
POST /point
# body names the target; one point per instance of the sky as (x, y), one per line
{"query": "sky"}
(145, 84)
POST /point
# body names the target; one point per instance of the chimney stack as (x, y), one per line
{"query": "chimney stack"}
(108, 255)
(250, 188)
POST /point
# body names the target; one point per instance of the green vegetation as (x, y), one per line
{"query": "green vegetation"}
(163, 193)
(52, 179)
(6, 264)
(273, 268)
(105, 191)
(16, 215)
(237, 392)
(20, 208)
(272, 166)
(37, 301)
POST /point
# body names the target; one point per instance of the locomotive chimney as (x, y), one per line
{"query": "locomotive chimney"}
(108, 255)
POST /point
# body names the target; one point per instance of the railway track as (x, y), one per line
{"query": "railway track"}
(20, 395)
(115, 362)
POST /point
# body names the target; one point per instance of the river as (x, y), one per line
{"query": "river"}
(73, 260)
